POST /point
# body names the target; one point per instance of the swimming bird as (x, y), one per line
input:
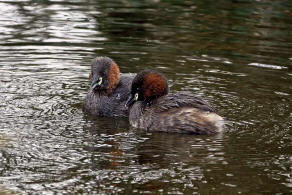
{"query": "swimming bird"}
(109, 89)
(151, 107)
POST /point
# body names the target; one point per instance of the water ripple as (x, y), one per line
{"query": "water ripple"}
(234, 54)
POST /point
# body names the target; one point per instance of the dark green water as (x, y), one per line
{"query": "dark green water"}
(236, 54)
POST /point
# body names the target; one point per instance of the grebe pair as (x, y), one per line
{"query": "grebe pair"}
(146, 100)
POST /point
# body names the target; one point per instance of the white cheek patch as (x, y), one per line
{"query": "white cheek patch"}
(136, 96)
(100, 81)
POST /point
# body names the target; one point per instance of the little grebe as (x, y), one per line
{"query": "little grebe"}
(109, 89)
(151, 107)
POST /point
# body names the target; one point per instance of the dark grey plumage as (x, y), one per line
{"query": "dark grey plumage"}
(112, 105)
(181, 112)
(109, 89)
(151, 107)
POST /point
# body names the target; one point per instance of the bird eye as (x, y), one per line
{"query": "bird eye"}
(136, 96)
(99, 81)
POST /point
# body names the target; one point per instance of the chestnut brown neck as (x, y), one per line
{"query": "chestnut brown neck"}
(113, 77)
(154, 86)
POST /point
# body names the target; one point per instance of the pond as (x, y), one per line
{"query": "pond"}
(237, 54)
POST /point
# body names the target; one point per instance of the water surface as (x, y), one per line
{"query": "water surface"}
(236, 54)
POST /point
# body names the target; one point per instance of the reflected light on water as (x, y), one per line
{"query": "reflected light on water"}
(234, 54)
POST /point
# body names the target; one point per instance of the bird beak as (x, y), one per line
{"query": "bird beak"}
(131, 100)
(96, 83)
